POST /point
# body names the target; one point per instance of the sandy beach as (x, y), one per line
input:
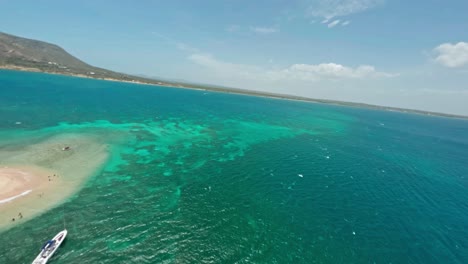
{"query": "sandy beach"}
(19, 182)
(20, 187)
(37, 177)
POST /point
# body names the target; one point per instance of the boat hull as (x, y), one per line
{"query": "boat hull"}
(50, 247)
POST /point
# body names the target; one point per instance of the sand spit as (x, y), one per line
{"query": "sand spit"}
(37, 177)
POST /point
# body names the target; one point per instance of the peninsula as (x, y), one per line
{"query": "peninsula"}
(17, 53)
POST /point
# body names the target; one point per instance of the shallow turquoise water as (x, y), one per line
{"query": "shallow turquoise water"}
(203, 177)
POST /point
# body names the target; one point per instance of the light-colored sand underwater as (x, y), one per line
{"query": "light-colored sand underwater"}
(39, 176)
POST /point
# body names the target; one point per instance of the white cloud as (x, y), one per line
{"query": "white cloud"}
(296, 72)
(452, 55)
(334, 23)
(329, 9)
(263, 30)
(312, 72)
(345, 23)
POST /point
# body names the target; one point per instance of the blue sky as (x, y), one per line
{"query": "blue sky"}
(411, 54)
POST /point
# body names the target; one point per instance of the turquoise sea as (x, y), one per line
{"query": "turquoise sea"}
(205, 177)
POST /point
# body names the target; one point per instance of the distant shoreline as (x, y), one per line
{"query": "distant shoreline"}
(240, 92)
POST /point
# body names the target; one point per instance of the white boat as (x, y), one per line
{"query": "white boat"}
(50, 247)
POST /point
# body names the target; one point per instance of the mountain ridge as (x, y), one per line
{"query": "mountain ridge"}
(34, 55)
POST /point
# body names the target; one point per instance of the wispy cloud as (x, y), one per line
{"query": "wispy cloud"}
(336, 22)
(297, 72)
(452, 55)
(333, 23)
(232, 28)
(186, 47)
(226, 69)
(329, 9)
(264, 30)
(177, 44)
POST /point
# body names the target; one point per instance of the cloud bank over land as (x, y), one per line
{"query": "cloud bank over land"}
(299, 72)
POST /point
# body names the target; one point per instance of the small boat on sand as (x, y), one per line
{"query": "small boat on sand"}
(50, 247)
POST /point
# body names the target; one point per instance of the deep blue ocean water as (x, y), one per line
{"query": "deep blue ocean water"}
(205, 177)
